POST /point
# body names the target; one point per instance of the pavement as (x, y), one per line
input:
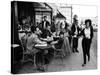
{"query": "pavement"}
(71, 62)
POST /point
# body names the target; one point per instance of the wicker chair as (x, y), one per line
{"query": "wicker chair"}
(58, 53)
(28, 55)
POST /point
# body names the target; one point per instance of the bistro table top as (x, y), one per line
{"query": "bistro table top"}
(15, 45)
(42, 47)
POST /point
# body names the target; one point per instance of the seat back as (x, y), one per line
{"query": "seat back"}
(23, 43)
(62, 45)
(59, 52)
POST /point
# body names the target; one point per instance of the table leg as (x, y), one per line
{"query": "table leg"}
(35, 66)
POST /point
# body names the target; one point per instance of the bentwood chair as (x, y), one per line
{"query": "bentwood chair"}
(27, 54)
(58, 53)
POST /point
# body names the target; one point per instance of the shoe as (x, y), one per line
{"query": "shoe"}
(77, 51)
(41, 69)
(73, 51)
(83, 65)
(88, 59)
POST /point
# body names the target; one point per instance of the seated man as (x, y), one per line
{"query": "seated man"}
(33, 39)
(41, 56)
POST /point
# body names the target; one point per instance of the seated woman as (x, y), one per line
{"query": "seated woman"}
(63, 43)
(58, 44)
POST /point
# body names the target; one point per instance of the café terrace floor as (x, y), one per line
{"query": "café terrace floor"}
(72, 62)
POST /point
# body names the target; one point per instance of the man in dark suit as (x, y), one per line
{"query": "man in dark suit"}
(45, 23)
(75, 31)
(44, 27)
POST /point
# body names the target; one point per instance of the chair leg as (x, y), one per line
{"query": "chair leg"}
(44, 66)
(62, 59)
(35, 61)
(35, 66)
(54, 54)
(23, 59)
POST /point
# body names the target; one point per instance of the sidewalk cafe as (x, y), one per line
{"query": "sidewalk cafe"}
(37, 37)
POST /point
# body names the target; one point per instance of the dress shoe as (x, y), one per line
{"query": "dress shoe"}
(83, 65)
(41, 69)
(73, 51)
(88, 59)
(77, 51)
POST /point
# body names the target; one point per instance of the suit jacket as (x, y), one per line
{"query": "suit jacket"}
(73, 29)
(91, 33)
(47, 24)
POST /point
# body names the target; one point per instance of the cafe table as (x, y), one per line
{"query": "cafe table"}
(43, 47)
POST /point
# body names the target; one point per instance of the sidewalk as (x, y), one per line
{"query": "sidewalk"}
(70, 63)
(74, 61)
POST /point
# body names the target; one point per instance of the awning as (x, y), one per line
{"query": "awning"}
(59, 15)
(41, 6)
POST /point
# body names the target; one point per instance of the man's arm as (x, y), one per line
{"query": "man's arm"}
(72, 30)
(54, 42)
(48, 24)
(81, 33)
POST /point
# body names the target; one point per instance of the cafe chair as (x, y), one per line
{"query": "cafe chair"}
(44, 53)
(58, 53)
(27, 54)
